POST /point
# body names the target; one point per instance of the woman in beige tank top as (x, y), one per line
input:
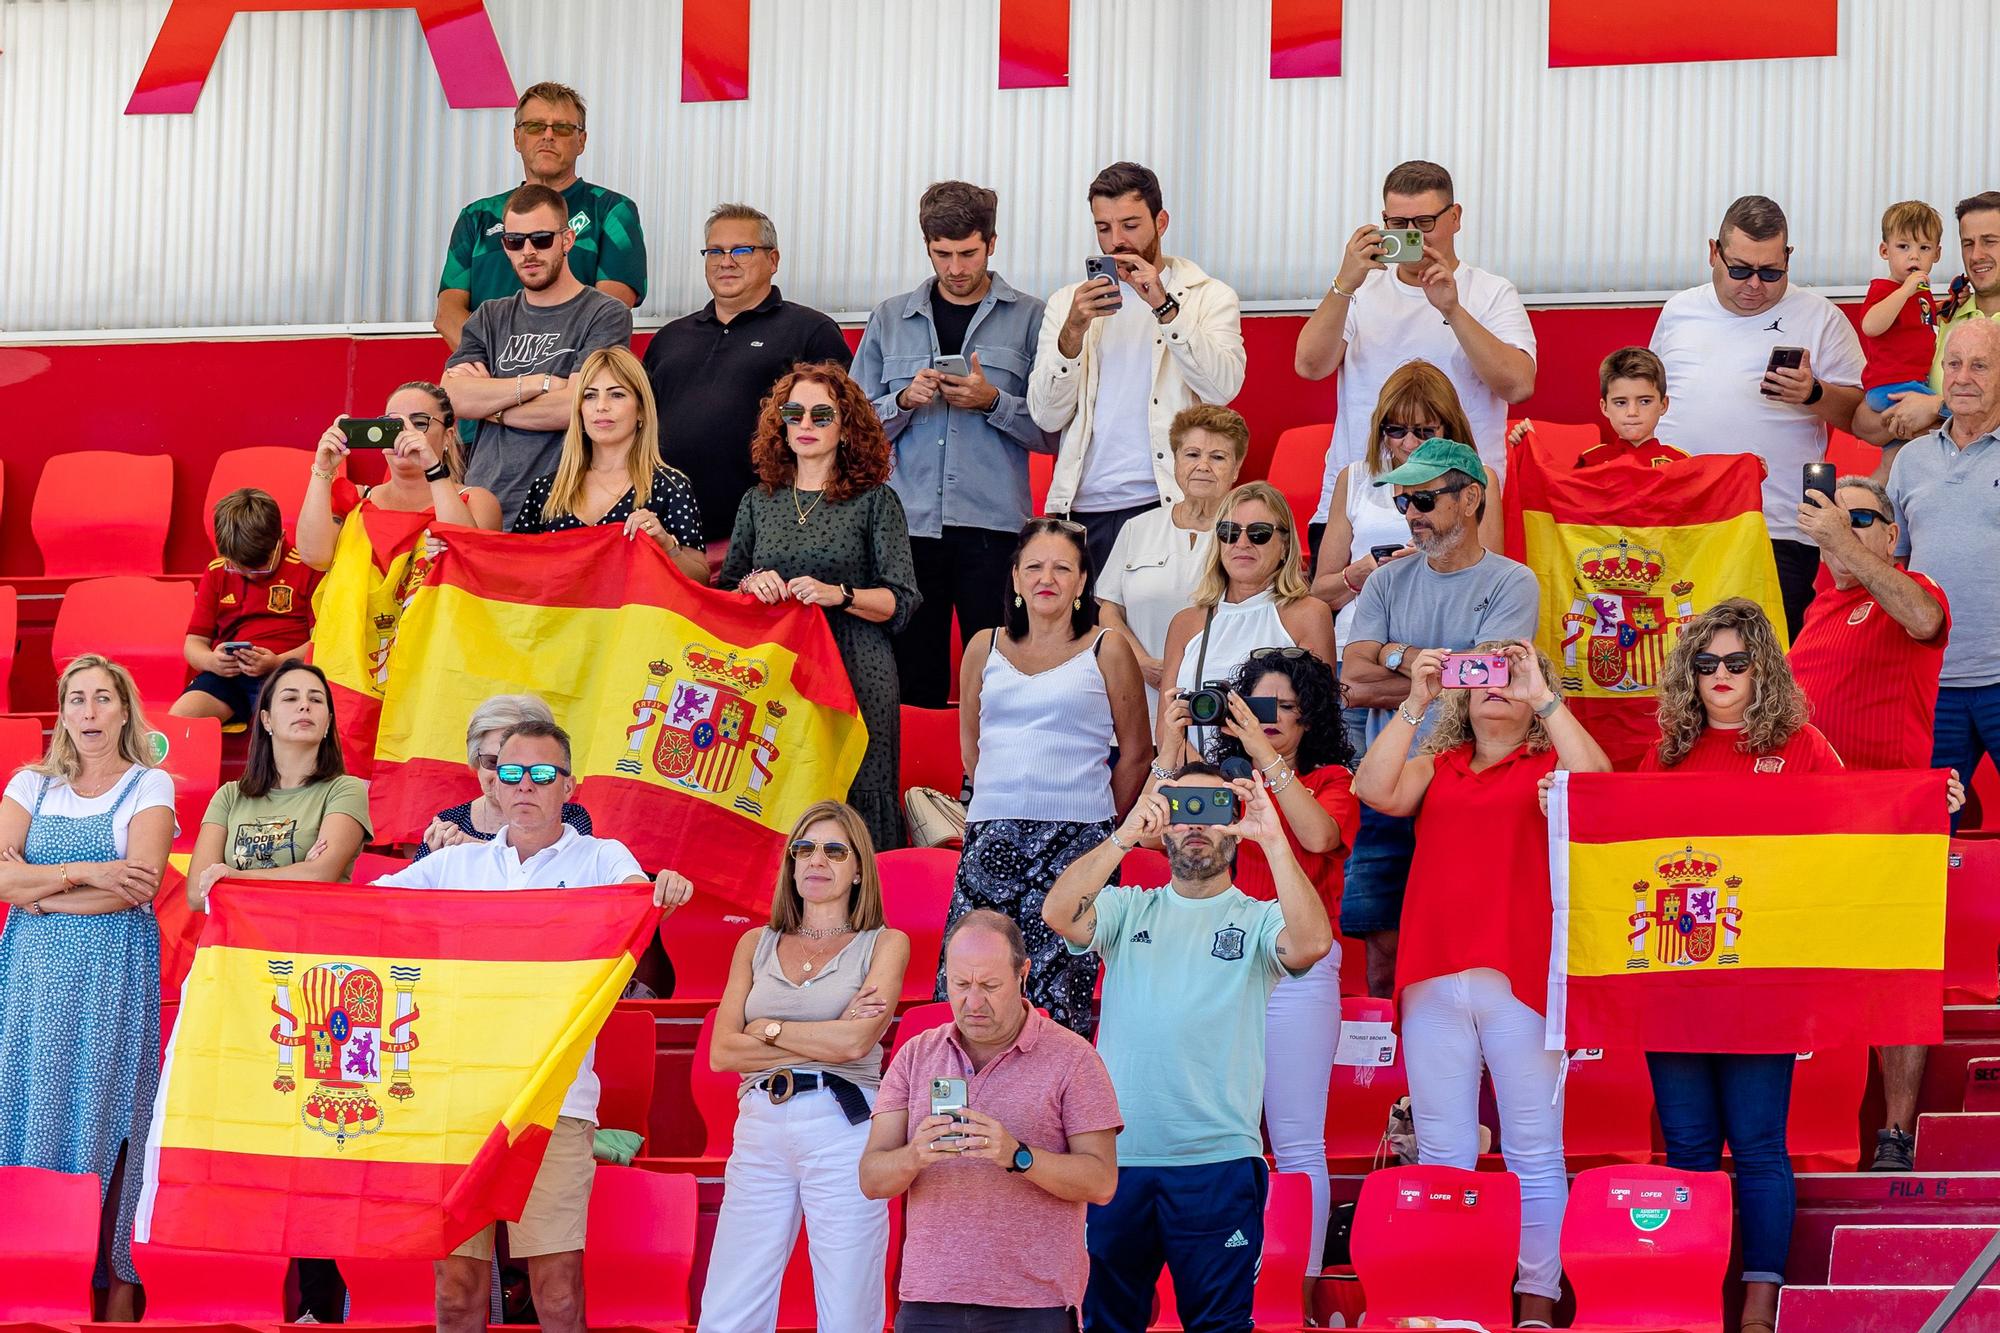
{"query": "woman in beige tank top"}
(802, 1020)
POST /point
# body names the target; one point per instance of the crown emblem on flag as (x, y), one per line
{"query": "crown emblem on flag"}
(386, 624)
(1688, 867)
(707, 665)
(1621, 568)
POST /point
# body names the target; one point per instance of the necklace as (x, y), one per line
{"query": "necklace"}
(829, 935)
(77, 790)
(806, 512)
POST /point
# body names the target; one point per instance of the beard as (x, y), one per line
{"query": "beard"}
(1430, 541)
(1195, 863)
(551, 270)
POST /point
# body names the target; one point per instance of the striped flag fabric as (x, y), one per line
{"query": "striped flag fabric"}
(1746, 913)
(379, 562)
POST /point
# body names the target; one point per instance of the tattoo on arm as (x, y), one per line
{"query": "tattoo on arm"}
(1083, 907)
(1283, 952)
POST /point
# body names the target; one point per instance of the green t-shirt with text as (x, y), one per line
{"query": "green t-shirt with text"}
(610, 246)
(279, 828)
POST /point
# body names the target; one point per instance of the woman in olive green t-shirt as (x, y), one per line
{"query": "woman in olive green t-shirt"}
(295, 813)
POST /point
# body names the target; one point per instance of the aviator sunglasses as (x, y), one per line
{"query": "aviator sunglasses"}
(822, 414)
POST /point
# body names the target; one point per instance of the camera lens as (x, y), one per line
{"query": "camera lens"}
(1205, 705)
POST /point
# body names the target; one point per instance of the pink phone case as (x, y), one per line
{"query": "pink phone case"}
(1474, 671)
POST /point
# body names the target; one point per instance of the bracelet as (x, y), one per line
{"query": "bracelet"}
(1266, 769)
(438, 473)
(68, 883)
(323, 476)
(1402, 712)
(1548, 710)
(1164, 775)
(519, 388)
(1116, 843)
(1338, 292)
(1289, 778)
(1352, 586)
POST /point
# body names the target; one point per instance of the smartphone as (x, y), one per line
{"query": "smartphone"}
(1819, 477)
(1785, 358)
(1200, 805)
(1103, 266)
(233, 647)
(1473, 671)
(1382, 553)
(1404, 245)
(372, 432)
(948, 1098)
(951, 365)
(1263, 707)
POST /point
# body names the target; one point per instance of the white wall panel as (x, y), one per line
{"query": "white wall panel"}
(317, 180)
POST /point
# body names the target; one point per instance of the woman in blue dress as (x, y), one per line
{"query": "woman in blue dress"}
(84, 836)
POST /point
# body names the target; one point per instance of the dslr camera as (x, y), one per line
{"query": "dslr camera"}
(1209, 705)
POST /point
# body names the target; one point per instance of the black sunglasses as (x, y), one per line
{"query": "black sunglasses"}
(1228, 530)
(1288, 654)
(540, 774)
(1706, 663)
(1425, 501)
(516, 240)
(822, 414)
(1866, 518)
(1741, 272)
(1395, 430)
(836, 852)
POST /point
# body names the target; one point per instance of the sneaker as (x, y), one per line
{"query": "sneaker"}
(1894, 1150)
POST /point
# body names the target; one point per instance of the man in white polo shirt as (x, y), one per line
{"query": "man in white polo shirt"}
(1717, 341)
(536, 850)
(1379, 315)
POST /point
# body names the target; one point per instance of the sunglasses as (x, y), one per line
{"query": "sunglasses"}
(1287, 654)
(1741, 272)
(1392, 430)
(823, 414)
(488, 760)
(836, 852)
(540, 774)
(1423, 222)
(1706, 663)
(519, 240)
(1425, 501)
(563, 128)
(737, 252)
(1228, 530)
(1866, 518)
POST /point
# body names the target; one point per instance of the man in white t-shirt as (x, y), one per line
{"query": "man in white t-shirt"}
(1717, 341)
(1116, 361)
(1381, 313)
(536, 850)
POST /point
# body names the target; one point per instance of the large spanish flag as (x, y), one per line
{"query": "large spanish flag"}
(374, 1073)
(1745, 912)
(1625, 555)
(703, 722)
(379, 561)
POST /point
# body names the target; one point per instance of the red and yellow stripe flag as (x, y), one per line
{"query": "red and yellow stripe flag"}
(1625, 555)
(374, 1073)
(1747, 913)
(378, 564)
(703, 722)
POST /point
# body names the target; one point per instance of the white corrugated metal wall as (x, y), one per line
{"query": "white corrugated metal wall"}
(317, 181)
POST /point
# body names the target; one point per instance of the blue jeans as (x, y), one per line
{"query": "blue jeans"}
(1967, 729)
(1704, 1100)
(1378, 870)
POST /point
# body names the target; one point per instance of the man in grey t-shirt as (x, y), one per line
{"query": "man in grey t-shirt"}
(1453, 594)
(515, 355)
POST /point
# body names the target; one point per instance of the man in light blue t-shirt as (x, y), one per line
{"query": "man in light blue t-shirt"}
(1188, 975)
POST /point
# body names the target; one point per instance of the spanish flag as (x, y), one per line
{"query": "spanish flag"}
(703, 722)
(379, 561)
(1626, 554)
(374, 1073)
(1747, 913)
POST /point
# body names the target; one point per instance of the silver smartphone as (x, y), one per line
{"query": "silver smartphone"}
(948, 1098)
(951, 365)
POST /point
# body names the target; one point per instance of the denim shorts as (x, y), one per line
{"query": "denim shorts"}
(1378, 869)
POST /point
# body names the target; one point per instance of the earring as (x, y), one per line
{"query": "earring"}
(1017, 599)
(1076, 603)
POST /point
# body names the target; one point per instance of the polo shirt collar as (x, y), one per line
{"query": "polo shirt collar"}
(1952, 448)
(1024, 1040)
(772, 300)
(919, 300)
(503, 843)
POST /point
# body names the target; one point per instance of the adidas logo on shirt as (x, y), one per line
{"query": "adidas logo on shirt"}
(1236, 1241)
(1143, 937)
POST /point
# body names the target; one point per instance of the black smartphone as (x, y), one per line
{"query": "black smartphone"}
(1819, 477)
(1103, 266)
(1785, 358)
(372, 432)
(1200, 805)
(1382, 553)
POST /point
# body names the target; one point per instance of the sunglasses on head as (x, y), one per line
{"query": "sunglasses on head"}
(1866, 518)
(822, 414)
(1396, 430)
(836, 852)
(563, 128)
(517, 240)
(540, 774)
(1288, 654)
(1425, 501)
(1070, 526)
(1705, 664)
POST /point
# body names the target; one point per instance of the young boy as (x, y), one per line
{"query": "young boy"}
(252, 610)
(1632, 394)
(1899, 327)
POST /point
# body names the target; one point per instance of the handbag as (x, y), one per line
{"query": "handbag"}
(934, 819)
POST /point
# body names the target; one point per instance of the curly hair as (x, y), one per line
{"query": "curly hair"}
(1778, 706)
(860, 462)
(1325, 741)
(1453, 727)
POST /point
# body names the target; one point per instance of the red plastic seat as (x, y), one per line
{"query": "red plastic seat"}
(1646, 1246)
(21, 743)
(1608, 1110)
(10, 629)
(390, 1291)
(48, 1243)
(1822, 1130)
(279, 470)
(371, 866)
(1298, 468)
(194, 758)
(714, 1096)
(140, 623)
(207, 1285)
(628, 1048)
(639, 1254)
(1972, 920)
(930, 753)
(1438, 1242)
(1358, 1099)
(916, 897)
(700, 939)
(917, 1019)
(101, 512)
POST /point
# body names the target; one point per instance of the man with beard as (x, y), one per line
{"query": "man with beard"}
(515, 355)
(1117, 359)
(1458, 595)
(1188, 974)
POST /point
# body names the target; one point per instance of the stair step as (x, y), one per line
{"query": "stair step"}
(1906, 1256)
(1982, 1084)
(1880, 1309)
(1958, 1141)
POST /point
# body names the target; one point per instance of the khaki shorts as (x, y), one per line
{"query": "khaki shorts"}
(558, 1204)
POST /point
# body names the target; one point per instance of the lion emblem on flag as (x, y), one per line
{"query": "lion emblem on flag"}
(1617, 633)
(1687, 916)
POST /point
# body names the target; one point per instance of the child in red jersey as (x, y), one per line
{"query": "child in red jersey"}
(1899, 327)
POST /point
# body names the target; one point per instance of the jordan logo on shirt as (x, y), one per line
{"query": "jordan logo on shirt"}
(1772, 327)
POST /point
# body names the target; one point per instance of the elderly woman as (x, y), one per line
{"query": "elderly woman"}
(1473, 968)
(802, 1019)
(821, 528)
(1159, 557)
(84, 835)
(479, 819)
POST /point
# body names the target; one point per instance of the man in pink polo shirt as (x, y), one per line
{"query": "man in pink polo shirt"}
(994, 1222)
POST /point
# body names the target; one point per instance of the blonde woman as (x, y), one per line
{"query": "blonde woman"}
(610, 470)
(802, 1019)
(1252, 595)
(83, 837)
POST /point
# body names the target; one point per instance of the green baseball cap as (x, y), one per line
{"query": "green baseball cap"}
(1431, 460)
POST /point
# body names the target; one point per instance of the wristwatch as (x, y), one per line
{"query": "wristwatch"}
(771, 1031)
(438, 473)
(846, 597)
(1548, 710)
(1167, 309)
(1023, 1159)
(1818, 392)
(1393, 659)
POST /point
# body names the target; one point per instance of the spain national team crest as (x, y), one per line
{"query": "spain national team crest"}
(278, 597)
(1691, 920)
(1617, 633)
(1228, 944)
(338, 1039)
(708, 739)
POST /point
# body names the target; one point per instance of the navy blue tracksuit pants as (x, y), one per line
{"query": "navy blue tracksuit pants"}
(1205, 1224)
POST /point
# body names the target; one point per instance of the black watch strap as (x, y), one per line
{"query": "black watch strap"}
(1024, 1158)
(1167, 308)
(846, 597)
(438, 473)
(1818, 392)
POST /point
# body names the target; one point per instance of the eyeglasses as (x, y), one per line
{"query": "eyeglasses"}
(419, 421)
(1425, 501)
(836, 852)
(1228, 530)
(823, 414)
(540, 774)
(1706, 663)
(563, 128)
(1288, 654)
(1395, 430)
(1741, 272)
(488, 760)
(1866, 518)
(736, 252)
(1423, 222)
(515, 240)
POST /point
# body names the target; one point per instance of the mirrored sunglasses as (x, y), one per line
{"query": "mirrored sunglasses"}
(539, 774)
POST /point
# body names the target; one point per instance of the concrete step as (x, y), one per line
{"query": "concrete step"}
(1958, 1141)
(1906, 1256)
(1880, 1310)
(1982, 1084)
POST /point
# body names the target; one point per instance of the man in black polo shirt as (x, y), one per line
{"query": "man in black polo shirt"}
(711, 369)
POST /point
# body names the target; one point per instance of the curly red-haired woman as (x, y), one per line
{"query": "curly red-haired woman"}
(821, 528)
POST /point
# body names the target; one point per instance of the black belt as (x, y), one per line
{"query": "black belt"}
(781, 1085)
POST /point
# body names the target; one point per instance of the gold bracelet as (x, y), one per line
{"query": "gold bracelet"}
(68, 883)
(323, 476)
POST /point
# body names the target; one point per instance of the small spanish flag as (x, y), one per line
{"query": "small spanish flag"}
(1747, 913)
(379, 561)
(374, 1073)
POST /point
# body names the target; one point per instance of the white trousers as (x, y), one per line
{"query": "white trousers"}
(1451, 1025)
(801, 1155)
(1301, 1029)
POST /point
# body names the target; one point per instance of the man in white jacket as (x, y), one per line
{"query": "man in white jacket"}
(1116, 360)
